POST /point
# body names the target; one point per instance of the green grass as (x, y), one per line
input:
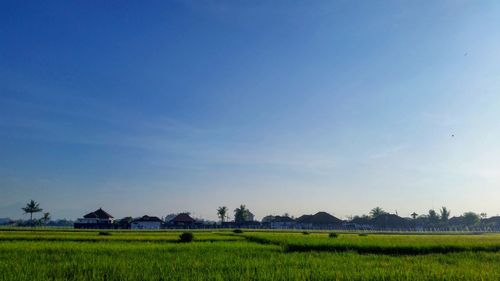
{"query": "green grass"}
(223, 255)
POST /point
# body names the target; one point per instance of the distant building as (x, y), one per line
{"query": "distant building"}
(320, 220)
(98, 219)
(282, 222)
(5, 221)
(181, 220)
(146, 222)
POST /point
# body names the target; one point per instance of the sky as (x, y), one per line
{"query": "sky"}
(159, 107)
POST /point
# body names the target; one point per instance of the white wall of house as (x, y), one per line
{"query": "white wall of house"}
(145, 225)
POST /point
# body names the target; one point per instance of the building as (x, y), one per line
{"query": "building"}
(282, 222)
(320, 220)
(182, 220)
(98, 219)
(146, 222)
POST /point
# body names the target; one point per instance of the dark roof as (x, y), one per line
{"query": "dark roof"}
(182, 218)
(282, 219)
(323, 218)
(389, 220)
(147, 218)
(98, 214)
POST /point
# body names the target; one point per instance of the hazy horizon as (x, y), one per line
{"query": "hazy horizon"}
(284, 107)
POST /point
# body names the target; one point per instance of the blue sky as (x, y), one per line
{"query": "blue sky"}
(286, 106)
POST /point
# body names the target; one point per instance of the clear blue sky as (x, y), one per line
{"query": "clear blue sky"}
(286, 106)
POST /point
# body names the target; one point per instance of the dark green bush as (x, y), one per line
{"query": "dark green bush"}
(306, 232)
(363, 234)
(186, 237)
(333, 235)
(237, 231)
(104, 233)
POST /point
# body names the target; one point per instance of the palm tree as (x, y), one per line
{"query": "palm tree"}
(240, 214)
(445, 214)
(222, 213)
(414, 215)
(46, 217)
(377, 211)
(433, 216)
(32, 207)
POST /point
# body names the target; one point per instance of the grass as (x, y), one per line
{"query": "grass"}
(223, 255)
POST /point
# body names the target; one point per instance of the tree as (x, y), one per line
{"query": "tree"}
(46, 217)
(471, 218)
(377, 211)
(222, 213)
(32, 207)
(240, 214)
(445, 214)
(433, 216)
(414, 215)
(483, 216)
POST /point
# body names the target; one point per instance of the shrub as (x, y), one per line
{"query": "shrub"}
(104, 233)
(333, 235)
(363, 234)
(305, 232)
(186, 237)
(237, 231)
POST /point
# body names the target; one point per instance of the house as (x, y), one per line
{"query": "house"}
(146, 222)
(282, 222)
(181, 220)
(320, 220)
(98, 219)
(5, 221)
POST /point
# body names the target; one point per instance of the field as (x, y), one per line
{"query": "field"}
(251, 255)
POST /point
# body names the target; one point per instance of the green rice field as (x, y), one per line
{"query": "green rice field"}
(252, 255)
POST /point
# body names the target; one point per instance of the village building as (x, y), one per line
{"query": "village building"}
(146, 222)
(181, 220)
(98, 219)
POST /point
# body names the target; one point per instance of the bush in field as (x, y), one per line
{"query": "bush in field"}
(363, 234)
(333, 235)
(104, 233)
(186, 237)
(237, 231)
(306, 232)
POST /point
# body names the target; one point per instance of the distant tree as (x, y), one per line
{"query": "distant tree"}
(471, 218)
(483, 216)
(433, 217)
(32, 207)
(222, 213)
(241, 214)
(377, 211)
(414, 215)
(46, 218)
(445, 214)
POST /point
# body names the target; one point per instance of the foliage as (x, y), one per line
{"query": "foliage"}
(104, 233)
(433, 217)
(186, 237)
(238, 231)
(306, 232)
(222, 213)
(445, 214)
(377, 211)
(32, 207)
(241, 214)
(471, 218)
(333, 235)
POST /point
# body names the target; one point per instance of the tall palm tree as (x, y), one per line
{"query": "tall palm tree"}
(414, 215)
(222, 213)
(445, 214)
(377, 211)
(32, 207)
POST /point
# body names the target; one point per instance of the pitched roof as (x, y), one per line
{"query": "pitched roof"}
(98, 214)
(147, 219)
(182, 218)
(320, 218)
(389, 220)
(282, 219)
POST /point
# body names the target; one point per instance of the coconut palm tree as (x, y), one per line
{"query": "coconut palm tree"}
(222, 213)
(445, 214)
(414, 215)
(32, 207)
(377, 211)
